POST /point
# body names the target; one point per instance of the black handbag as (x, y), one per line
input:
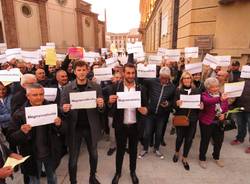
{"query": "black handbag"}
(228, 124)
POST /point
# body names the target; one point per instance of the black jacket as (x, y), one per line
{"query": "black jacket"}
(244, 99)
(193, 113)
(118, 114)
(27, 144)
(18, 100)
(157, 94)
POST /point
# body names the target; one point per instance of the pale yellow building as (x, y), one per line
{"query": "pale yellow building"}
(31, 23)
(215, 26)
(120, 40)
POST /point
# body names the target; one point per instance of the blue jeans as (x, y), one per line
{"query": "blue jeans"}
(154, 122)
(50, 173)
(243, 122)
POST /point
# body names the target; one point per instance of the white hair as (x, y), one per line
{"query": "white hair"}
(165, 71)
(26, 77)
(211, 81)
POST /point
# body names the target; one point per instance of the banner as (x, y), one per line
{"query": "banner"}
(41, 115)
(103, 74)
(234, 89)
(3, 58)
(148, 71)
(190, 101)
(31, 56)
(83, 100)
(50, 94)
(173, 55)
(245, 72)
(13, 54)
(133, 48)
(50, 58)
(193, 68)
(155, 59)
(191, 52)
(210, 61)
(223, 61)
(162, 51)
(127, 100)
(75, 52)
(12, 75)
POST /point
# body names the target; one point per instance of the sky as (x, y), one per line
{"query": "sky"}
(122, 15)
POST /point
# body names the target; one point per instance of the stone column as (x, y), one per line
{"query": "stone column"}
(43, 21)
(9, 23)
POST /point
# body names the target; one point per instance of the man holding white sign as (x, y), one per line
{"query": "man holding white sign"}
(42, 143)
(126, 121)
(83, 122)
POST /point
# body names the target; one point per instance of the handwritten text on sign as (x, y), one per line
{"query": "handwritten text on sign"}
(127, 100)
(41, 115)
(83, 100)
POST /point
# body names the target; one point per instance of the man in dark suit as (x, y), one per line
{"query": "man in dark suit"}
(126, 122)
(82, 123)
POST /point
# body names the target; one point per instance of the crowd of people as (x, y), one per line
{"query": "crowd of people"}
(146, 125)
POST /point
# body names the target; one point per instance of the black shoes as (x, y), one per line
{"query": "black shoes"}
(163, 143)
(185, 165)
(93, 180)
(134, 178)
(116, 178)
(175, 158)
(111, 151)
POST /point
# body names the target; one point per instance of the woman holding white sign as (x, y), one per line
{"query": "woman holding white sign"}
(211, 117)
(185, 133)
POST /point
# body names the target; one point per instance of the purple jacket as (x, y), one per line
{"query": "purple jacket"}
(207, 115)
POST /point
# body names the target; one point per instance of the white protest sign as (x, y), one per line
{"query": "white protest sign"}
(41, 115)
(3, 47)
(12, 75)
(193, 68)
(153, 59)
(139, 56)
(104, 51)
(191, 52)
(133, 48)
(51, 45)
(148, 71)
(90, 56)
(60, 57)
(210, 61)
(173, 55)
(3, 58)
(234, 89)
(31, 56)
(223, 60)
(190, 101)
(103, 74)
(13, 54)
(111, 62)
(245, 72)
(83, 100)
(50, 94)
(13, 162)
(162, 51)
(127, 100)
(123, 59)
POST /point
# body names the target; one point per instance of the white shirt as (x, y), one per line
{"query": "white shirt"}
(129, 114)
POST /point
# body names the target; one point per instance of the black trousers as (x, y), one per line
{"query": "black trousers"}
(186, 135)
(207, 132)
(130, 133)
(74, 150)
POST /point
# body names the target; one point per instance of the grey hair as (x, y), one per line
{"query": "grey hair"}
(165, 71)
(26, 77)
(33, 86)
(211, 81)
